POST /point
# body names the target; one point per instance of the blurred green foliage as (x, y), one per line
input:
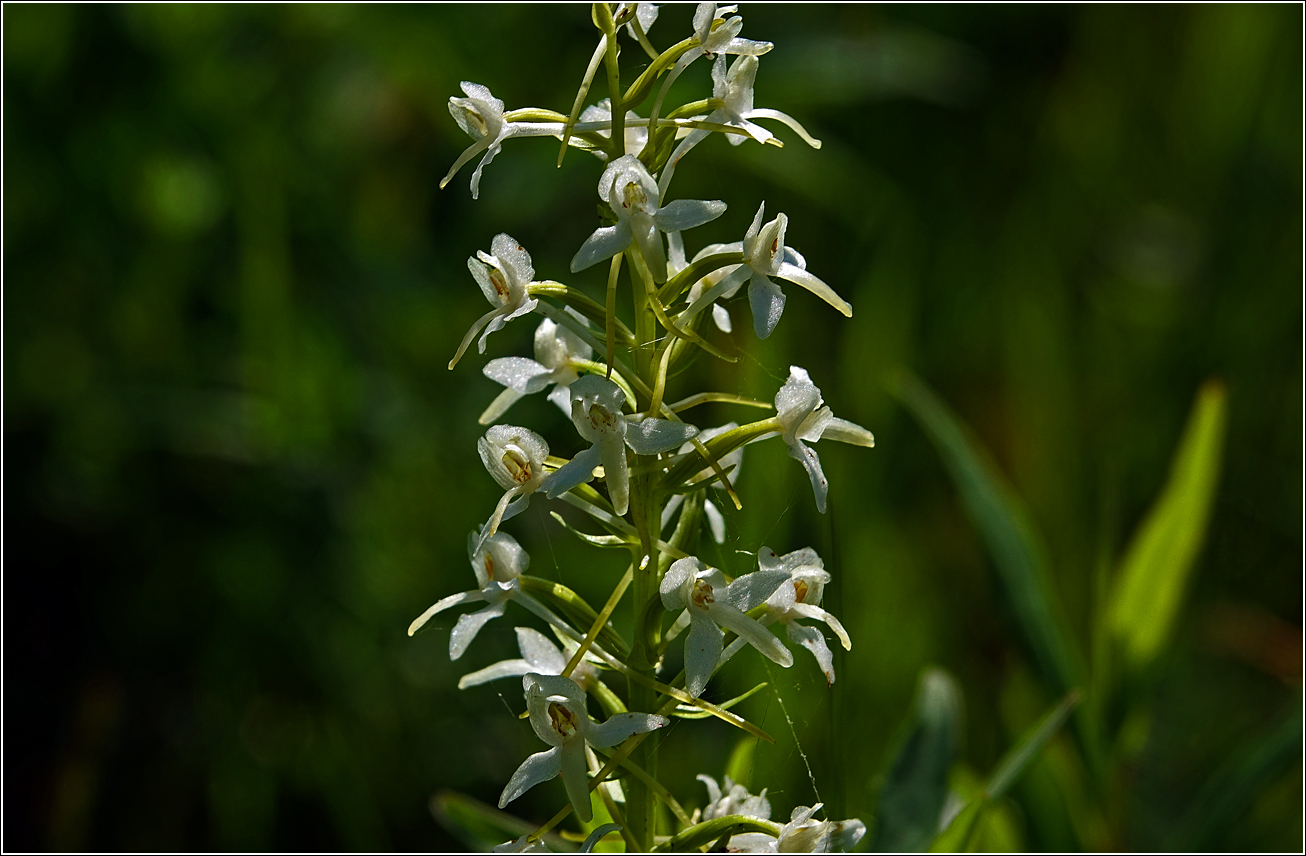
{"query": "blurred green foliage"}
(236, 467)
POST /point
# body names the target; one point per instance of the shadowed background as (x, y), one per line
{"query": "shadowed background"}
(236, 467)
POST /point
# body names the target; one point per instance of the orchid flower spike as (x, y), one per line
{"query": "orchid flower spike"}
(596, 412)
(713, 604)
(803, 834)
(559, 716)
(557, 351)
(538, 656)
(801, 598)
(515, 458)
(735, 799)
(630, 190)
(504, 278)
(766, 256)
(803, 416)
(729, 463)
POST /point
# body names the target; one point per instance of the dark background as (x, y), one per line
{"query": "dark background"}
(236, 467)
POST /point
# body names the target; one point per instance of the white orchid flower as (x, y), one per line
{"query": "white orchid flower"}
(636, 129)
(515, 457)
(713, 604)
(766, 256)
(498, 562)
(559, 716)
(557, 349)
(735, 90)
(481, 116)
(735, 799)
(633, 195)
(715, 520)
(719, 34)
(803, 834)
(801, 598)
(596, 412)
(538, 656)
(504, 278)
(803, 416)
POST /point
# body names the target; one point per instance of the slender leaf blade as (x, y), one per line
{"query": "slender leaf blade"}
(1017, 552)
(1160, 558)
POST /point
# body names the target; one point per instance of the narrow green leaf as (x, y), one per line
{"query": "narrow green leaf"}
(480, 826)
(685, 711)
(998, 513)
(907, 810)
(1020, 755)
(960, 833)
(1161, 556)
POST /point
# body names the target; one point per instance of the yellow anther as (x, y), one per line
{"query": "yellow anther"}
(500, 284)
(702, 594)
(800, 590)
(563, 720)
(601, 419)
(518, 466)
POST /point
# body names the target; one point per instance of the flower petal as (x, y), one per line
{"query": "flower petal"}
(673, 582)
(615, 472)
(795, 274)
(702, 650)
(539, 767)
(807, 610)
(651, 436)
(688, 213)
(445, 603)
(811, 639)
(499, 406)
(847, 432)
(604, 243)
(540, 652)
(469, 624)
(767, 302)
(494, 672)
(518, 373)
(747, 628)
(622, 725)
(812, 463)
(578, 470)
(751, 590)
(575, 778)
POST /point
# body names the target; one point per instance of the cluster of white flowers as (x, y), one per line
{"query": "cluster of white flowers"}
(655, 468)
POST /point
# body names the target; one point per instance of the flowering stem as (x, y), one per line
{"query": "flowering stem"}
(603, 17)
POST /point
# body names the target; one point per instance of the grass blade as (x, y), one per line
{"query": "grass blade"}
(1161, 556)
(998, 513)
(960, 833)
